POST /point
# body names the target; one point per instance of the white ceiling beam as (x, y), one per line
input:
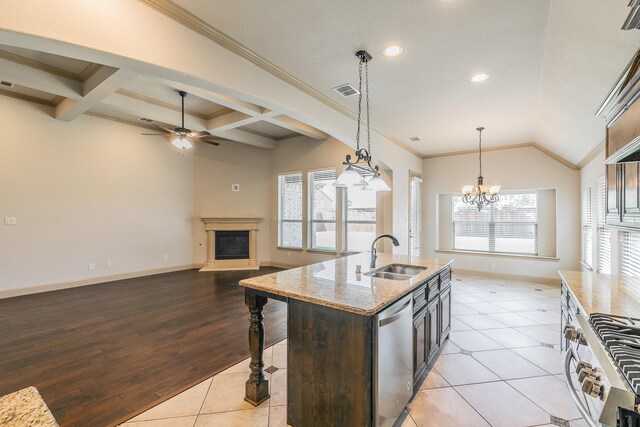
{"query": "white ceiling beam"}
(41, 80)
(245, 137)
(141, 108)
(297, 126)
(217, 98)
(101, 84)
(232, 120)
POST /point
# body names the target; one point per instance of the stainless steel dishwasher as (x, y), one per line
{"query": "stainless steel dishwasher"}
(394, 361)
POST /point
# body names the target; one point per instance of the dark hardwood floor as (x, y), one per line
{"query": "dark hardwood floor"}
(100, 354)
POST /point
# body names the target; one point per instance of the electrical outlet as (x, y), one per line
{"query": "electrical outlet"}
(166, 257)
(91, 266)
(109, 264)
(9, 220)
(492, 266)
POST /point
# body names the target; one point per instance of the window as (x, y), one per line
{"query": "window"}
(360, 219)
(290, 210)
(507, 226)
(587, 246)
(415, 210)
(604, 236)
(322, 210)
(630, 253)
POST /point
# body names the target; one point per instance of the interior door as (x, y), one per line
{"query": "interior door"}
(415, 214)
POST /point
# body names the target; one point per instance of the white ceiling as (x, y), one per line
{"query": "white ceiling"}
(551, 63)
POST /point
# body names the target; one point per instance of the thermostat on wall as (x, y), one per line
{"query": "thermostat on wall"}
(235, 187)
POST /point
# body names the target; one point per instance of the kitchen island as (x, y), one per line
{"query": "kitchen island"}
(333, 333)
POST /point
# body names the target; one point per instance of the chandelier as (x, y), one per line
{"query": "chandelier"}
(356, 172)
(482, 193)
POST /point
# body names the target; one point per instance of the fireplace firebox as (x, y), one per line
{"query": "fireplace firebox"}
(233, 244)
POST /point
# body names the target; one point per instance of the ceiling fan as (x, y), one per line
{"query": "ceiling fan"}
(182, 137)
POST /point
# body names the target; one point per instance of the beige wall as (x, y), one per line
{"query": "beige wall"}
(90, 191)
(215, 169)
(515, 169)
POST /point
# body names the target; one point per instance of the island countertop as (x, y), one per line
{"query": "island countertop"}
(604, 293)
(335, 284)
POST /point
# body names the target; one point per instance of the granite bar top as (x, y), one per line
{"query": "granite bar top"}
(25, 408)
(335, 284)
(604, 293)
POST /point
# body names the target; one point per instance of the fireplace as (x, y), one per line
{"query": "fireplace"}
(232, 244)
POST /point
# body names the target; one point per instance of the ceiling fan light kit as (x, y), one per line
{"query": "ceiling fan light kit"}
(480, 194)
(181, 137)
(355, 172)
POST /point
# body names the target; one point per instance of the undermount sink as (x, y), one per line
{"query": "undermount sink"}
(396, 272)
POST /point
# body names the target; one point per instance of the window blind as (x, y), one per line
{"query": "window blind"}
(507, 226)
(630, 253)
(322, 210)
(604, 236)
(416, 215)
(587, 244)
(360, 219)
(290, 210)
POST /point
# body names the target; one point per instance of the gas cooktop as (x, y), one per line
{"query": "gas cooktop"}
(621, 338)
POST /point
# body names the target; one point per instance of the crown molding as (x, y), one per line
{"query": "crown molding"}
(538, 147)
(592, 155)
(199, 26)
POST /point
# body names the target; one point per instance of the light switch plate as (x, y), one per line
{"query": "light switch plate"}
(235, 187)
(9, 220)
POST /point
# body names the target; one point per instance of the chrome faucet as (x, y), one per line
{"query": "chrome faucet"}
(374, 253)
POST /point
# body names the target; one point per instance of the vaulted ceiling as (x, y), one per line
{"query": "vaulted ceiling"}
(551, 64)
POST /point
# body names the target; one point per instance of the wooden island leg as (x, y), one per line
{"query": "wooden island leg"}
(257, 386)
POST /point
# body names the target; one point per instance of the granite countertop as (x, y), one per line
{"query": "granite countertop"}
(335, 284)
(25, 408)
(604, 293)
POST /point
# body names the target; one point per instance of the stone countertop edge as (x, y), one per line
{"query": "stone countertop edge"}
(25, 408)
(335, 284)
(604, 293)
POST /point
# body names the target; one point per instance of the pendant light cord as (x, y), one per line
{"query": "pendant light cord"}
(366, 85)
(359, 105)
(480, 150)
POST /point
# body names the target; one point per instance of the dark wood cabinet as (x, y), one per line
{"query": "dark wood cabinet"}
(433, 328)
(419, 343)
(445, 314)
(614, 177)
(631, 205)
(431, 320)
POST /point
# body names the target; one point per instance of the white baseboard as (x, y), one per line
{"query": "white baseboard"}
(92, 281)
(505, 276)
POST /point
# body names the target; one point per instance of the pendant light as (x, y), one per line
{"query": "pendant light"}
(481, 193)
(355, 173)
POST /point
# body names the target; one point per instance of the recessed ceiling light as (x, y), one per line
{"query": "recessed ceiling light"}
(392, 51)
(480, 77)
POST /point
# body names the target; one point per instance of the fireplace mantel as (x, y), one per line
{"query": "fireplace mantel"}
(228, 223)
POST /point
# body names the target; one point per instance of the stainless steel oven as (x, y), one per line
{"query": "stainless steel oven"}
(596, 384)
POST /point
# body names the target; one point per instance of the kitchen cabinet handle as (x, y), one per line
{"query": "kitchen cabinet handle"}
(566, 370)
(395, 315)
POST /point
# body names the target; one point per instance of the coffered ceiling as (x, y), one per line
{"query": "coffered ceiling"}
(551, 63)
(72, 87)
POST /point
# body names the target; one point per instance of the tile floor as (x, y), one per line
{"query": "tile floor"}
(500, 368)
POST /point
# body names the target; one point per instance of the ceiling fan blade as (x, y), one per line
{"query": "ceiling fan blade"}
(200, 134)
(165, 126)
(158, 134)
(209, 142)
